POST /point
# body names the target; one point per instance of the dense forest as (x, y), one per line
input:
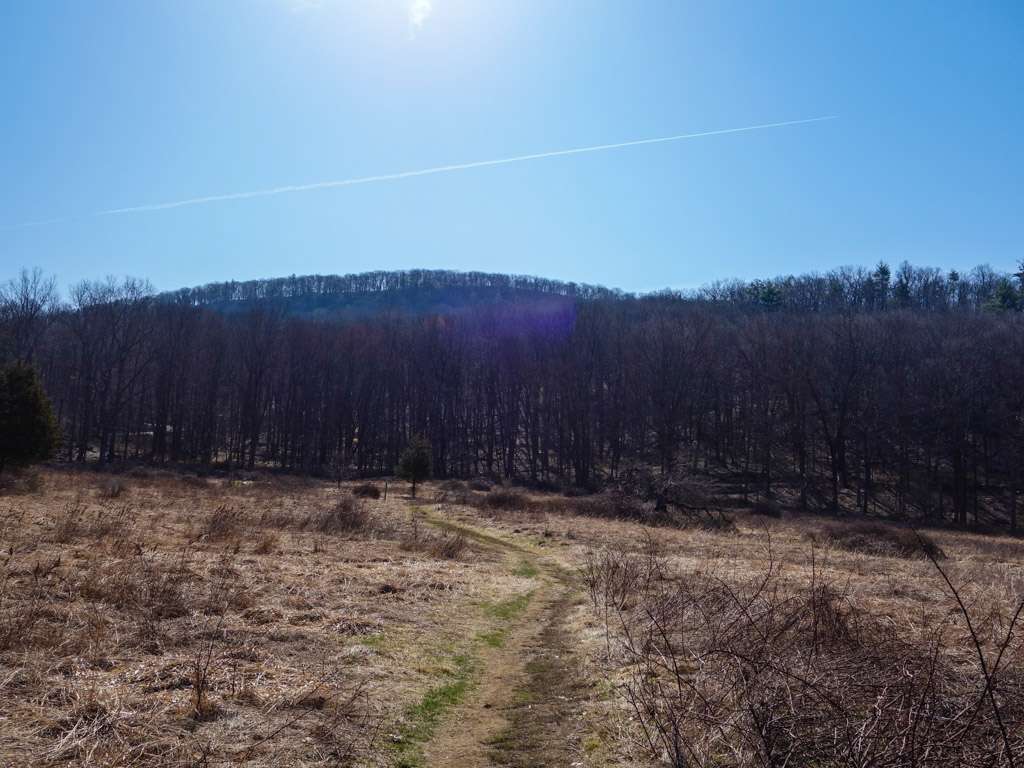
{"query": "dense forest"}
(885, 392)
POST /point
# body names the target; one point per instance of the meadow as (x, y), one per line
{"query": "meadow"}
(162, 619)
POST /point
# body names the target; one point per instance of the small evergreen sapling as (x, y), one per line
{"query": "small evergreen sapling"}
(415, 462)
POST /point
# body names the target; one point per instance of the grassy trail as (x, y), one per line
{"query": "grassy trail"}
(517, 700)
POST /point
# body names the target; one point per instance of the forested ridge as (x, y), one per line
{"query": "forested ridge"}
(891, 392)
(364, 296)
(379, 282)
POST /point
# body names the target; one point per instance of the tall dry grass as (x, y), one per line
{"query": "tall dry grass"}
(764, 671)
(123, 637)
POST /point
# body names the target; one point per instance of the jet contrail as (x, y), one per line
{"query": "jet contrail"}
(423, 172)
(446, 168)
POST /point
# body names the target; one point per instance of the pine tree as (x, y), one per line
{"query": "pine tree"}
(1005, 299)
(880, 279)
(28, 429)
(415, 462)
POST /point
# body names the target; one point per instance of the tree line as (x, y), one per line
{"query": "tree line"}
(378, 282)
(846, 288)
(877, 402)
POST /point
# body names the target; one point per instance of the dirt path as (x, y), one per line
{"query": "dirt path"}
(525, 709)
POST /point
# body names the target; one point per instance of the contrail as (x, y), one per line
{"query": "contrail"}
(429, 171)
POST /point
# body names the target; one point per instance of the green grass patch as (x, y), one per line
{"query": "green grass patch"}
(526, 569)
(423, 717)
(495, 638)
(459, 672)
(506, 610)
(375, 640)
(475, 534)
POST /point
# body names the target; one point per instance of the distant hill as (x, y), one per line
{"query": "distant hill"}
(440, 292)
(410, 293)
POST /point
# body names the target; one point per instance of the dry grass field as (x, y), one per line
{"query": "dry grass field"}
(166, 620)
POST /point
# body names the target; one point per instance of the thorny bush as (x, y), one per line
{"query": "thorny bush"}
(757, 672)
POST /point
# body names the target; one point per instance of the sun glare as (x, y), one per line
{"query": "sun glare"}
(419, 12)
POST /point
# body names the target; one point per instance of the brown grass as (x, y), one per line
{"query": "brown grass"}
(366, 491)
(222, 523)
(756, 669)
(221, 621)
(348, 515)
(112, 487)
(268, 620)
(446, 546)
(505, 500)
(865, 623)
(880, 539)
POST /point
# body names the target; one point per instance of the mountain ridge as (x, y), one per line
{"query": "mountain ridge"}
(405, 292)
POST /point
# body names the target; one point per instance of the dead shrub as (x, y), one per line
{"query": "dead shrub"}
(766, 508)
(575, 491)
(164, 587)
(366, 491)
(266, 544)
(618, 506)
(69, 522)
(222, 523)
(75, 520)
(149, 588)
(279, 519)
(446, 546)
(100, 727)
(111, 521)
(112, 487)
(550, 486)
(880, 539)
(754, 670)
(27, 617)
(21, 481)
(708, 520)
(449, 495)
(614, 578)
(349, 515)
(505, 500)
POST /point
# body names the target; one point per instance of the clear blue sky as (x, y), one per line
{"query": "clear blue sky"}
(110, 104)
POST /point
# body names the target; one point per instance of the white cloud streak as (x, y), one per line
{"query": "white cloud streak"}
(335, 184)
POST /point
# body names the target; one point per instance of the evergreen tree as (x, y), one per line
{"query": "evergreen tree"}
(901, 292)
(415, 462)
(880, 279)
(28, 429)
(1005, 299)
(765, 293)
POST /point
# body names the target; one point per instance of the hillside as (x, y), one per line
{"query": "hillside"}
(795, 390)
(422, 292)
(406, 293)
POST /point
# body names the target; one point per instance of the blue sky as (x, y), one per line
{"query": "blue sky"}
(107, 105)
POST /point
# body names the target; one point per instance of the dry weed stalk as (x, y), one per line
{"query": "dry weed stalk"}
(755, 673)
(445, 546)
